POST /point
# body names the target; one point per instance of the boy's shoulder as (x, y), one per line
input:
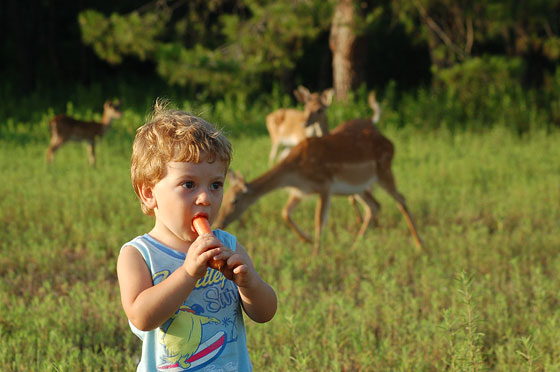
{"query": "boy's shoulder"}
(137, 242)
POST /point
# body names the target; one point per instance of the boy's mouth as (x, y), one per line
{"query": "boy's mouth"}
(200, 214)
(197, 215)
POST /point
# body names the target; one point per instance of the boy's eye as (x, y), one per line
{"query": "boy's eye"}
(188, 185)
(217, 185)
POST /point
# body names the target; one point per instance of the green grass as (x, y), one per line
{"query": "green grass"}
(484, 295)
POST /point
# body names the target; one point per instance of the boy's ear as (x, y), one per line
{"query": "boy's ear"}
(147, 196)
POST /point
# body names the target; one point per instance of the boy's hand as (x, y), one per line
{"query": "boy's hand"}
(204, 248)
(236, 269)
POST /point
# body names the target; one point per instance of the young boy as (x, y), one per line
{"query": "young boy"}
(187, 315)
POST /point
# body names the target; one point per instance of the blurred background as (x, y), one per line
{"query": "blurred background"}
(479, 62)
(470, 97)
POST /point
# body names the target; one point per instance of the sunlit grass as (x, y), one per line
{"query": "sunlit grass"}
(486, 205)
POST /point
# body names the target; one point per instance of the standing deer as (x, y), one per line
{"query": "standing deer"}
(65, 128)
(288, 127)
(348, 161)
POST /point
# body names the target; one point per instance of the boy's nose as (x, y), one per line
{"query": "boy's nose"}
(203, 198)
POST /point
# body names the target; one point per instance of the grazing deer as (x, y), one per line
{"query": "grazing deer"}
(288, 127)
(347, 161)
(65, 128)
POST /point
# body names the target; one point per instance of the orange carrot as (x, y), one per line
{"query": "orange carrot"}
(202, 226)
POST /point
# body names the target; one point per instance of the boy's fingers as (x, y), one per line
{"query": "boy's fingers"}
(207, 243)
(223, 254)
(234, 260)
(241, 269)
(210, 254)
(209, 240)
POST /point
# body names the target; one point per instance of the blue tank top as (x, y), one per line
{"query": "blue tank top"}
(207, 331)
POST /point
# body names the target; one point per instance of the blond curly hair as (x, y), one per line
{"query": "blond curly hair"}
(173, 135)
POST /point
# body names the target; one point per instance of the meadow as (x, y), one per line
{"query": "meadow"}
(484, 295)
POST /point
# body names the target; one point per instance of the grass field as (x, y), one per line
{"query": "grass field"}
(483, 296)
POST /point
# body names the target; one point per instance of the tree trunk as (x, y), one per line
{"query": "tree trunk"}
(342, 41)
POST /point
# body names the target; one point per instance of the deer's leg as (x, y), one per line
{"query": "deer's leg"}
(273, 151)
(387, 181)
(284, 153)
(357, 213)
(321, 217)
(293, 200)
(371, 208)
(376, 207)
(55, 144)
(91, 152)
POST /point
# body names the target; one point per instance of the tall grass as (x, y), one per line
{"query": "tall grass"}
(483, 295)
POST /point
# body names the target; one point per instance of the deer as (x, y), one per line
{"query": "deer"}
(287, 127)
(65, 128)
(347, 161)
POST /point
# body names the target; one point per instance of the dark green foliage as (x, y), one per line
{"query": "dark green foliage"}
(222, 50)
(225, 46)
(116, 36)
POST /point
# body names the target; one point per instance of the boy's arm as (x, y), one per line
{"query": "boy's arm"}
(258, 298)
(148, 306)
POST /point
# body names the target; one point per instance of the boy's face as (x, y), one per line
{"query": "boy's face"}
(186, 191)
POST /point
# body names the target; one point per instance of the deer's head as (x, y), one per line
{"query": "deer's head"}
(236, 200)
(111, 110)
(315, 108)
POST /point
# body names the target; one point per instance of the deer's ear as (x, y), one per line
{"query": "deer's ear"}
(237, 179)
(327, 96)
(230, 175)
(148, 197)
(240, 178)
(233, 176)
(302, 94)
